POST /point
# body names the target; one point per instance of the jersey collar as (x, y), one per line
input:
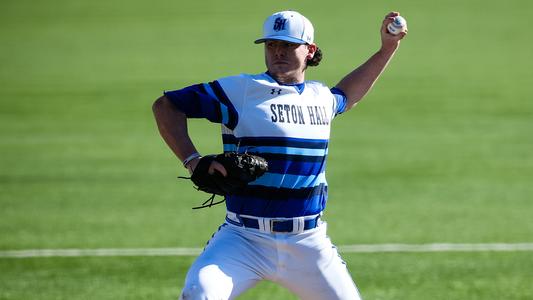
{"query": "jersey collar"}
(298, 86)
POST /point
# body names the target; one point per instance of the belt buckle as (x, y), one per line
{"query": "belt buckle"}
(297, 225)
(273, 221)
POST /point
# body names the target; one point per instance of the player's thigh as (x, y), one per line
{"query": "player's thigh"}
(221, 271)
(333, 282)
(216, 282)
(315, 270)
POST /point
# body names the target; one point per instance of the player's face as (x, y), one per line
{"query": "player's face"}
(286, 61)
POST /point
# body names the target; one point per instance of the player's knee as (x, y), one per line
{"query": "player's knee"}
(197, 292)
(193, 292)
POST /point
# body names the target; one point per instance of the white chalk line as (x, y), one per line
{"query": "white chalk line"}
(370, 248)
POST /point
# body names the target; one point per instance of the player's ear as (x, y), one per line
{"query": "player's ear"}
(311, 51)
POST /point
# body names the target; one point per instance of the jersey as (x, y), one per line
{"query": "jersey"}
(288, 125)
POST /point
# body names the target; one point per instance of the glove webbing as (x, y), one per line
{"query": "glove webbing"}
(210, 200)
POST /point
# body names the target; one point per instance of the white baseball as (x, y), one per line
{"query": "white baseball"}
(398, 25)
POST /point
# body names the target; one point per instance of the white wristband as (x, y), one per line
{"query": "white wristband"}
(186, 161)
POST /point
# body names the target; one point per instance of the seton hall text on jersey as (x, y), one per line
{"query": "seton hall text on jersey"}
(285, 113)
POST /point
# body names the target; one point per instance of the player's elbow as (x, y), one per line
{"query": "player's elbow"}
(159, 104)
(165, 110)
(162, 107)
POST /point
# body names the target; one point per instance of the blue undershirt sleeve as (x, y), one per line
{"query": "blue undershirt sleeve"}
(194, 102)
(204, 101)
(341, 100)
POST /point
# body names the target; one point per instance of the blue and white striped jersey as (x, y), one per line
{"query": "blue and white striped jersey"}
(288, 125)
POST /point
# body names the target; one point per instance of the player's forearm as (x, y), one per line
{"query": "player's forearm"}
(172, 125)
(358, 82)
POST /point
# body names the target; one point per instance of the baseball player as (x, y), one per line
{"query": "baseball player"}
(273, 228)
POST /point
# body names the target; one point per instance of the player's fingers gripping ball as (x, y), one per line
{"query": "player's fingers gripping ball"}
(241, 168)
(398, 25)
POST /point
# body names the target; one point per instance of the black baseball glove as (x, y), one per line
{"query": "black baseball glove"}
(241, 170)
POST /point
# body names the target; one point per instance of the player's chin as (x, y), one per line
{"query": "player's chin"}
(281, 68)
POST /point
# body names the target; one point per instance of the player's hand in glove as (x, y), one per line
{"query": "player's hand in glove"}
(239, 169)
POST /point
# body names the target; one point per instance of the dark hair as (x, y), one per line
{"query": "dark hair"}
(313, 62)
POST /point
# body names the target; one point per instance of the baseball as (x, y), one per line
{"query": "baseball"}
(398, 25)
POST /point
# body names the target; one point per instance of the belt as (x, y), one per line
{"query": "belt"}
(274, 225)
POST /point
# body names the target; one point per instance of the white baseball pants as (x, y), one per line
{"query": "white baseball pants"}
(237, 258)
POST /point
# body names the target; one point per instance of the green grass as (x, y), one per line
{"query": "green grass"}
(439, 151)
(380, 276)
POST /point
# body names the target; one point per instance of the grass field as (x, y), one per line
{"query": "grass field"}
(441, 151)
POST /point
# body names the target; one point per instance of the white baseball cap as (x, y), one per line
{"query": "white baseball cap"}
(290, 26)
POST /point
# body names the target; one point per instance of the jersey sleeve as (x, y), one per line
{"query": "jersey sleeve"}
(206, 100)
(340, 101)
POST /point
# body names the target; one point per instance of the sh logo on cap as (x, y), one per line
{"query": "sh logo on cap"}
(290, 26)
(279, 24)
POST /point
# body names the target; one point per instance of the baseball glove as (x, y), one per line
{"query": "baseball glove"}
(241, 170)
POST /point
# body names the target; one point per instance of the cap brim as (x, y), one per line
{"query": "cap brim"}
(281, 38)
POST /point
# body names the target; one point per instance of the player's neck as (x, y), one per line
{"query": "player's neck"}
(288, 78)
